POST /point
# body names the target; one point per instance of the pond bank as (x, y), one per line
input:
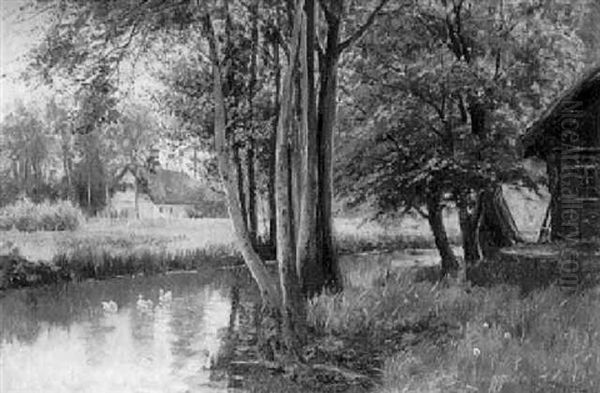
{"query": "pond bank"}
(87, 263)
(101, 251)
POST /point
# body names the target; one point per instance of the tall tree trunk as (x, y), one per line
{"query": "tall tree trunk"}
(267, 286)
(293, 307)
(470, 221)
(107, 197)
(325, 126)
(239, 173)
(252, 208)
(136, 201)
(273, 143)
(309, 269)
(252, 200)
(67, 169)
(89, 190)
(436, 223)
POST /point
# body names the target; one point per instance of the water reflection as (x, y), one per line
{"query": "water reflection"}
(62, 340)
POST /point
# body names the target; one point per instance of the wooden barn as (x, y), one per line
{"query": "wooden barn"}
(567, 138)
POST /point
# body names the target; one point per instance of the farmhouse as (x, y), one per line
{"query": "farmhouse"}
(162, 194)
(567, 138)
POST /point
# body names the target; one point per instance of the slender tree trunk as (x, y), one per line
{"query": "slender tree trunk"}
(67, 169)
(89, 190)
(239, 171)
(307, 259)
(273, 143)
(267, 286)
(326, 124)
(107, 197)
(436, 223)
(137, 200)
(470, 222)
(293, 307)
(252, 201)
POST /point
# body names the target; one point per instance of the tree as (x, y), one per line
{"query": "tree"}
(452, 84)
(26, 142)
(310, 94)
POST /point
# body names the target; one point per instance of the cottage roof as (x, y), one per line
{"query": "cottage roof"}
(177, 188)
(171, 187)
(542, 136)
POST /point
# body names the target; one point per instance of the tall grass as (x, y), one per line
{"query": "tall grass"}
(27, 216)
(100, 262)
(456, 338)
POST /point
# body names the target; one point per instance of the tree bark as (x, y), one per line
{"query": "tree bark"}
(239, 171)
(326, 123)
(89, 190)
(252, 200)
(293, 307)
(273, 143)
(470, 222)
(136, 203)
(309, 269)
(268, 288)
(436, 222)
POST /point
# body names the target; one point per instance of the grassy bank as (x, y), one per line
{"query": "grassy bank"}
(420, 337)
(388, 333)
(104, 248)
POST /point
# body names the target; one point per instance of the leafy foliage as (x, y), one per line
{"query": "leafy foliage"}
(442, 90)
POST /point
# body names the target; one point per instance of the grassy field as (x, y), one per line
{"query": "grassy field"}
(188, 234)
(101, 248)
(174, 235)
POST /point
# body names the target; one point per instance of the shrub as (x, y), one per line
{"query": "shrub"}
(26, 216)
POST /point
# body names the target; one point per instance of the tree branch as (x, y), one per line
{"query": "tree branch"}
(361, 30)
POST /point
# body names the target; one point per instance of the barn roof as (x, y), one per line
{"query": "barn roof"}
(541, 136)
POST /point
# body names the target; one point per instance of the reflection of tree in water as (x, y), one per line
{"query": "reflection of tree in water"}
(186, 323)
(241, 341)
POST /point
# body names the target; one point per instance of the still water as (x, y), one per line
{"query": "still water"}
(159, 334)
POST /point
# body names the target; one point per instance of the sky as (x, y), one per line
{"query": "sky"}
(20, 31)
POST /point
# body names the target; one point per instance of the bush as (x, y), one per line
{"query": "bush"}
(27, 216)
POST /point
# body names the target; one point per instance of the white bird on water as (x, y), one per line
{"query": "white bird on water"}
(143, 305)
(164, 297)
(110, 307)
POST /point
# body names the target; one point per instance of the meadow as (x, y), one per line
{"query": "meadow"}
(99, 248)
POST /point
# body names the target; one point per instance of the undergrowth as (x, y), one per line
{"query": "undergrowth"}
(451, 337)
(27, 216)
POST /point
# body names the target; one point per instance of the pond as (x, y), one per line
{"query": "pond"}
(156, 334)
(174, 333)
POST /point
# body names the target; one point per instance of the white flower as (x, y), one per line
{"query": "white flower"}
(507, 335)
(486, 325)
(476, 352)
